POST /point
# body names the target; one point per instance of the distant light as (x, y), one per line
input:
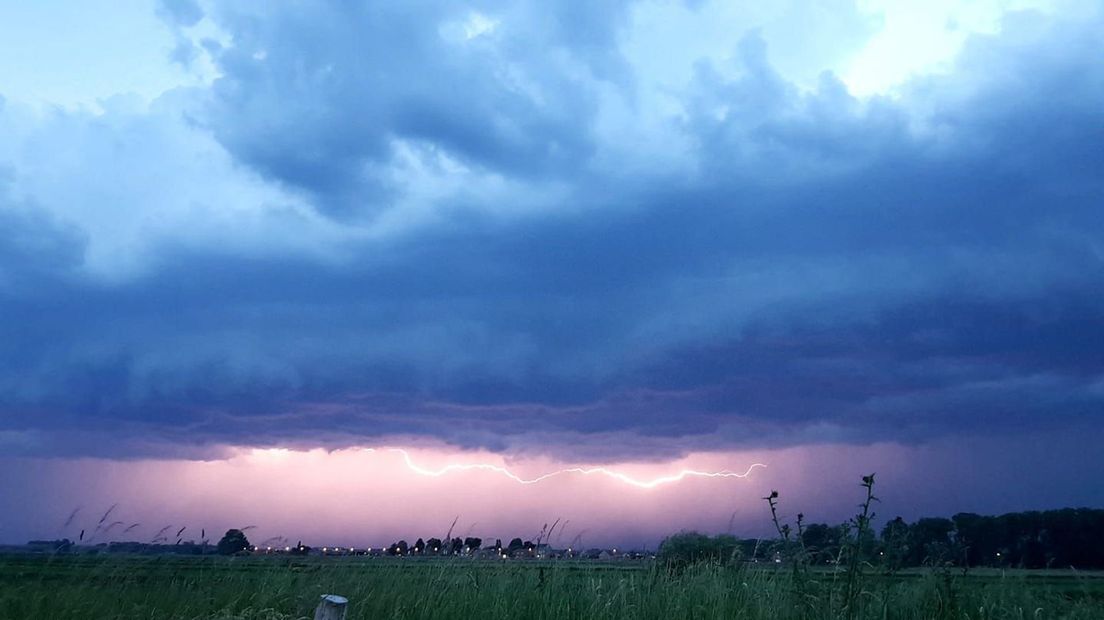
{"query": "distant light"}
(287, 548)
(351, 549)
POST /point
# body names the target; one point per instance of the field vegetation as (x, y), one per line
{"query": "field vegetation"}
(865, 576)
(81, 587)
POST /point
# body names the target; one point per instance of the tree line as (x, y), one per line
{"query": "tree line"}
(1071, 537)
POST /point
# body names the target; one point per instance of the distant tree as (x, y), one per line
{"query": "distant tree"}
(473, 544)
(1070, 537)
(419, 546)
(498, 544)
(1062, 538)
(973, 537)
(930, 541)
(234, 541)
(456, 545)
(895, 544)
(821, 542)
(515, 545)
(399, 548)
(433, 545)
(894, 529)
(685, 548)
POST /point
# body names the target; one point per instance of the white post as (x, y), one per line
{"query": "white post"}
(332, 607)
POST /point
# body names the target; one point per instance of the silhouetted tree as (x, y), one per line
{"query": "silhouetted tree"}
(233, 541)
(1061, 538)
(930, 541)
(821, 542)
(399, 548)
(685, 548)
(895, 543)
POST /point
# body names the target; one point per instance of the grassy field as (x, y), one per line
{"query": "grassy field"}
(64, 587)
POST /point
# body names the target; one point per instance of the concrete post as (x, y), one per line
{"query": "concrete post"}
(331, 607)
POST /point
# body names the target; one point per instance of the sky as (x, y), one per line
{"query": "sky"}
(347, 271)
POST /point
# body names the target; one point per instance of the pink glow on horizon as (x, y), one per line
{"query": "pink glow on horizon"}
(367, 496)
(362, 497)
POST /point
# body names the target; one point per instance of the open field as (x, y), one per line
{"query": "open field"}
(69, 587)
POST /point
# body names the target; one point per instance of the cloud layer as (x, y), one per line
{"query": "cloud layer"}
(497, 227)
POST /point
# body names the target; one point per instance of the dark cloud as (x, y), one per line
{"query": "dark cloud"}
(34, 248)
(326, 108)
(834, 269)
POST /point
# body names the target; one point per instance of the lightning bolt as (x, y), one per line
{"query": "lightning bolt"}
(585, 471)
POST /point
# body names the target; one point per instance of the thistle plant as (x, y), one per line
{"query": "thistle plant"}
(793, 551)
(861, 524)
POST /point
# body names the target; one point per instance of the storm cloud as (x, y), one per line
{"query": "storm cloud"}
(485, 226)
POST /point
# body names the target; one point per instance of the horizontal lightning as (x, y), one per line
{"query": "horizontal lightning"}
(586, 471)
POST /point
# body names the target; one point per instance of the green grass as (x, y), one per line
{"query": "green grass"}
(66, 587)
